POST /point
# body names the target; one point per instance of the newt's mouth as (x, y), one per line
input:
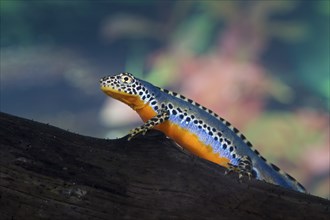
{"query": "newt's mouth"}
(113, 92)
(132, 100)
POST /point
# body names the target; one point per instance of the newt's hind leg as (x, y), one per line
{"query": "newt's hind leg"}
(244, 167)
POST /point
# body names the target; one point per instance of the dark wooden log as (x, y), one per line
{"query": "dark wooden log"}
(50, 173)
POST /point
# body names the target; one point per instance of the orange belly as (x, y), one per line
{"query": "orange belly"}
(184, 138)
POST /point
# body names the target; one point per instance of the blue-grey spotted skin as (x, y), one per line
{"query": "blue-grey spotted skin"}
(232, 145)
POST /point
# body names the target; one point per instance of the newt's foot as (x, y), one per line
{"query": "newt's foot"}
(136, 131)
(244, 168)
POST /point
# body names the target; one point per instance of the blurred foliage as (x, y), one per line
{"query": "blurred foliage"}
(21, 20)
(292, 131)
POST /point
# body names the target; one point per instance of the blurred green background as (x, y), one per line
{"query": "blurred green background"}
(262, 65)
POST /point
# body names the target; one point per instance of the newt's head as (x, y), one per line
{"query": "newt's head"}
(125, 88)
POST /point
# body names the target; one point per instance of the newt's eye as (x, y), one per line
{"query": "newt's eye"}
(126, 79)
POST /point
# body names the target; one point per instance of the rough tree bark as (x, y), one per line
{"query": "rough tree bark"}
(49, 173)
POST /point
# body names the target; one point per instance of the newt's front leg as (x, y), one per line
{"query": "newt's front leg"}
(161, 117)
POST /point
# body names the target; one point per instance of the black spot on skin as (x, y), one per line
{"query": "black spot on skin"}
(214, 130)
(235, 130)
(234, 156)
(216, 138)
(153, 103)
(290, 177)
(275, 167)
(243, 137)
(231, 149)
(188, 119)
(200, 127)
(204, 108)
(221, 139)
(301, 186)
(210, 133)
(219, 134)
(181, 116)
(192, 116)
(257, 152)
(204, 126)
(156, 108)
(200, 121)
(174, 112)
(170, 106)
(195, 122)
(224, 146)
(264, 159)
(140, 93)
(249, 144)
(191, 101)
(227, 123)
